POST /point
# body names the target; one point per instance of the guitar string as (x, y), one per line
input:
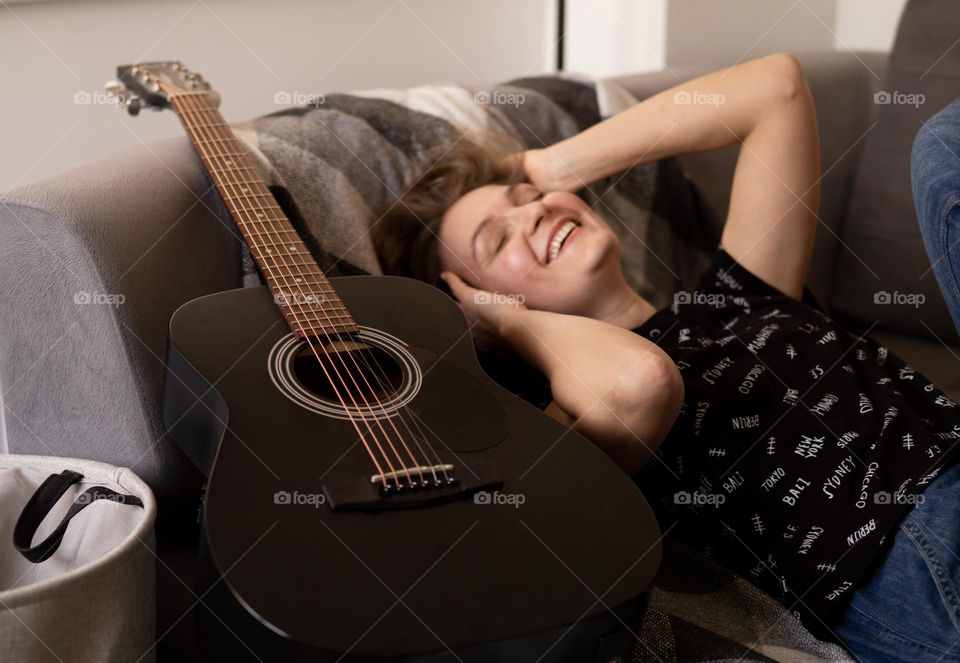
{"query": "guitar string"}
(297, 303)
(186, 99)
(438, 462)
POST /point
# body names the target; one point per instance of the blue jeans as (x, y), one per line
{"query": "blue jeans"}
(909, 608)
(935, 172)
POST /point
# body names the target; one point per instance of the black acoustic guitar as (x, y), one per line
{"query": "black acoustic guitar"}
(372, 494)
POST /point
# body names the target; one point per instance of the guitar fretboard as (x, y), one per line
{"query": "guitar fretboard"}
(306, 298)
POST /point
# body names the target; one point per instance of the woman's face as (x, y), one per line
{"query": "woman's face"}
(550, 248)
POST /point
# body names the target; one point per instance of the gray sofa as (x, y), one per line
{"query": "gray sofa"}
(85, 379)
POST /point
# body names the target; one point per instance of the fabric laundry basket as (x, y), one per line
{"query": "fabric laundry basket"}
(77, 563)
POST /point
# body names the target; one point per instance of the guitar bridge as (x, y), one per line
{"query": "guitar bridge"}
(444, 484)
(439, 473)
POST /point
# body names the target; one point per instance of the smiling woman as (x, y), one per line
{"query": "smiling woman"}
(477, 217)
(729, 396)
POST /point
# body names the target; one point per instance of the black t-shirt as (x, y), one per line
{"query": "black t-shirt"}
(799, 446)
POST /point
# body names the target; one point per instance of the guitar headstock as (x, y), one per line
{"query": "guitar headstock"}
(153, 84)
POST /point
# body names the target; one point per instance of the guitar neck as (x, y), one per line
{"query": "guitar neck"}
(306, 298)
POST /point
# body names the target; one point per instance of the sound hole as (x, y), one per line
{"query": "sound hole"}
(361, 374)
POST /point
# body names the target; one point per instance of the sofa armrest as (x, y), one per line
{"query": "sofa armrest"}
(93, 262)
(843, 84)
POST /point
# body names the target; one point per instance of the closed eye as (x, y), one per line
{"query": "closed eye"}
(500, 243)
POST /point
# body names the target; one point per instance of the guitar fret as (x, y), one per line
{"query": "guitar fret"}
(250, 194)
(287, 289)
(334, 311)
(327, 329)
(295, 239)
(301, 282)
(261, 220)
(211, 124)
(301, 316)
(284, 287)
(286, 263)
(286, 250)
(258, 208)
(304, 316)
(221, 155)
(298, 250)
(238, 181)
(213, 141)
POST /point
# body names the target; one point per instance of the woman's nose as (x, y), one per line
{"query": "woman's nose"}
(534, 214)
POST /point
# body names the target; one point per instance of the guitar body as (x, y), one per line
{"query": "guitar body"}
(548, 552)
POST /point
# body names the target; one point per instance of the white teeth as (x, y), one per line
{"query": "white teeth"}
(559, 238)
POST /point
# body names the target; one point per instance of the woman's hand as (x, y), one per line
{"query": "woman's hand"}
(541, 168)
(487, 312)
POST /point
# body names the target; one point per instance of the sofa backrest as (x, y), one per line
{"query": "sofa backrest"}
(887, 262)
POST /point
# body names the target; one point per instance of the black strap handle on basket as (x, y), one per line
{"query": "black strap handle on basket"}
(43, 499)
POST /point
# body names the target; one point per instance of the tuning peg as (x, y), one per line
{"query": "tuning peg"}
(116, 88)
(133, 104)
(119, 91)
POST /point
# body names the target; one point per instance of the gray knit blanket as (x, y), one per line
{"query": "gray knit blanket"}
(336, 165)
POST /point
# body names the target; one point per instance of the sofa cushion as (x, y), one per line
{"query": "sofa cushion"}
(885, 274)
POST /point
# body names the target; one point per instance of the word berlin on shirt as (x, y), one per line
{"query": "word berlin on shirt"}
(799, 446)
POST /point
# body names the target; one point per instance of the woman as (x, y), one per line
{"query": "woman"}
(791, 448)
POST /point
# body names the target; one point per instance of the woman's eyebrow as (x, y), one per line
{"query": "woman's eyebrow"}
(508, 194)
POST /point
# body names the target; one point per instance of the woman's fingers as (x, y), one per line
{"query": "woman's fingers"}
(457, 286)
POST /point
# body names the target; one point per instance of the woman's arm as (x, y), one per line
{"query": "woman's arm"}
(765, 105)
(621, 391)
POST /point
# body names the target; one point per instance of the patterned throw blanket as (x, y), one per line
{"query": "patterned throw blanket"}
(337, 164)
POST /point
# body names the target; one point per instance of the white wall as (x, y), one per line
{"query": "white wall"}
(613, 37)
(247, 50)
(251, 50)
(868, 25)
(737, 30)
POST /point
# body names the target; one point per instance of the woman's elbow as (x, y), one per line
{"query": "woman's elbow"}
(647, 403)
(786, 80)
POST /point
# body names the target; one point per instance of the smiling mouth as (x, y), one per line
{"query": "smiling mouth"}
(556, 243)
